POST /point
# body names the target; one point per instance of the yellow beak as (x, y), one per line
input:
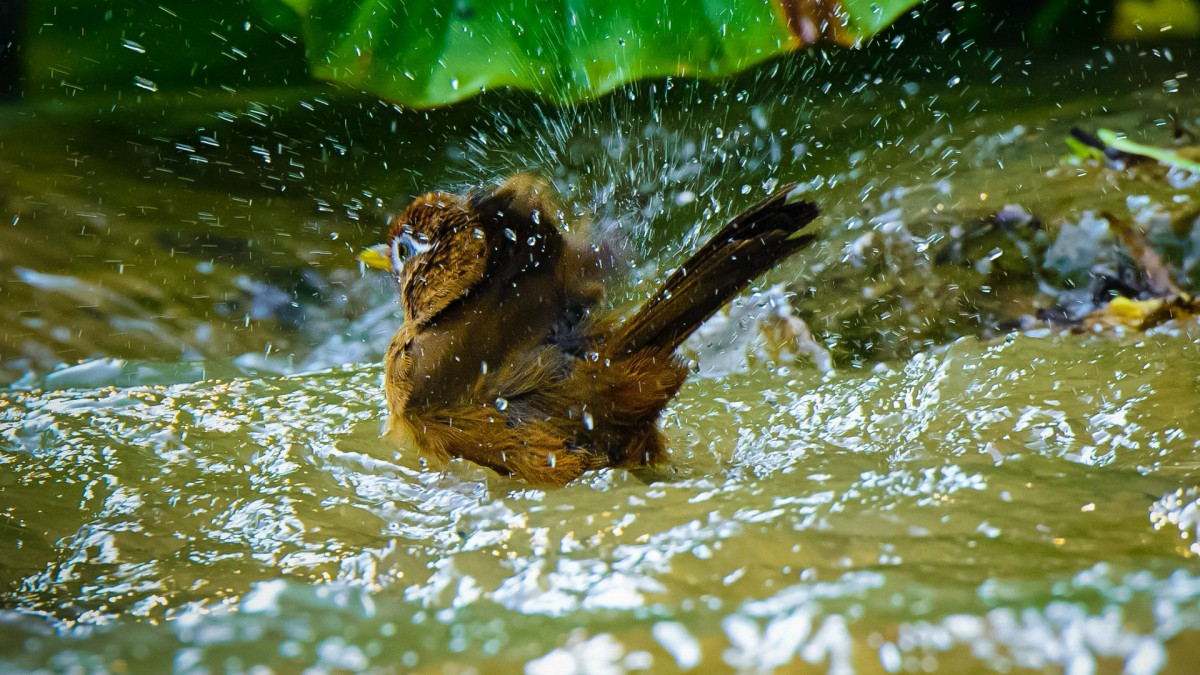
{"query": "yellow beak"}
(376, 257)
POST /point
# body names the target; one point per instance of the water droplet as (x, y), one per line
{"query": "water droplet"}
(508, 232)
(477, 233)
(501, 403)
(588, 420)
(552, 460)
(537, 217)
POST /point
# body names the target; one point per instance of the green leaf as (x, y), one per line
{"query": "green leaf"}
(1080, 150)
(419, 53)
(427, 54)
(1167, 157)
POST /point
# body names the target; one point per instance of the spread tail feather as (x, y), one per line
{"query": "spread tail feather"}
(747, 247)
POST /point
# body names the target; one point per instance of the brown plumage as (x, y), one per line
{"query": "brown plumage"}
(504, 358)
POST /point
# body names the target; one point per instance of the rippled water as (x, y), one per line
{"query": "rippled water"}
(1024, 503)
(205, 487)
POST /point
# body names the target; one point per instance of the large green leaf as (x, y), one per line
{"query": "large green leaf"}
(431, 53)
(419, 53)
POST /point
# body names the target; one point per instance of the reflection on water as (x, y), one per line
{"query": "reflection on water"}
(985, 504)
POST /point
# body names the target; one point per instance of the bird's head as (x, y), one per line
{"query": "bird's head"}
(437, 250)
(443, 245)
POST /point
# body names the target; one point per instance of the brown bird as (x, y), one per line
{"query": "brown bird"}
(505, 358)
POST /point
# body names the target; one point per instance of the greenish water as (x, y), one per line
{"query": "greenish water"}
(1028, 503)
(208, 490)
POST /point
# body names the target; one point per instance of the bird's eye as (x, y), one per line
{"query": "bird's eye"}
(412, 245)
(405, 246)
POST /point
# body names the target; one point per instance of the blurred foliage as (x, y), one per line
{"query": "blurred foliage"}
(1041, 22)
(1150, 19)
(1035, 21)
(127, 48)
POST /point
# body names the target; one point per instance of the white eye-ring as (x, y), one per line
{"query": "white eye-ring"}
(404, 247)
(413, 246)
(394, 254)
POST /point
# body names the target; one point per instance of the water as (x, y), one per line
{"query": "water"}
(208, 490)
(995, 504)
